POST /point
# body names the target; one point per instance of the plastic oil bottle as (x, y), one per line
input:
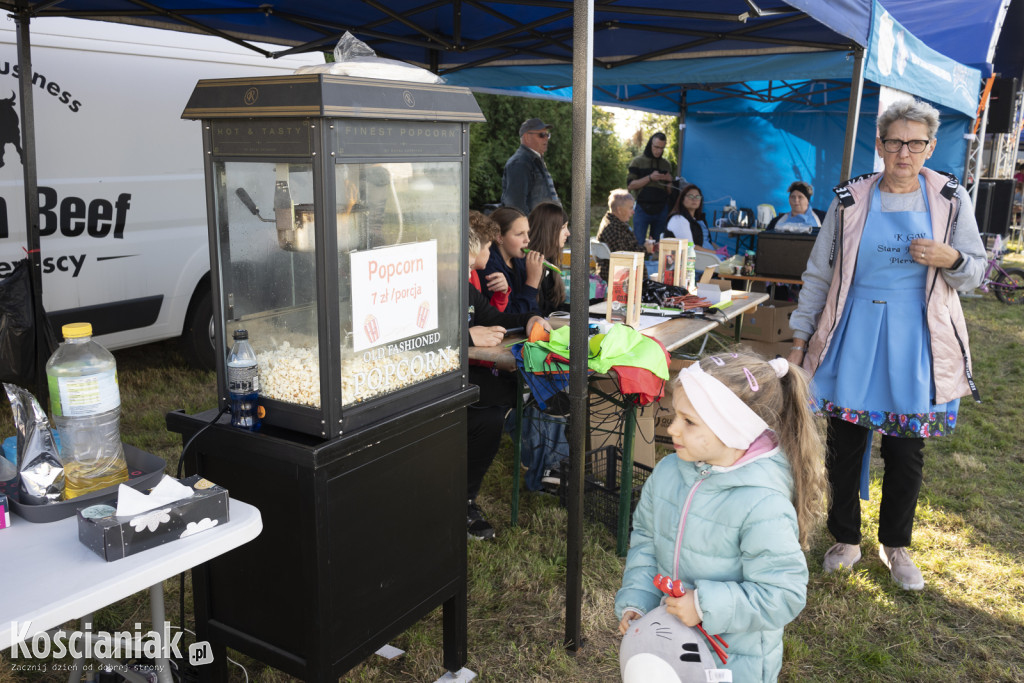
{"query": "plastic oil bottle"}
(243, 380)
(86, 405)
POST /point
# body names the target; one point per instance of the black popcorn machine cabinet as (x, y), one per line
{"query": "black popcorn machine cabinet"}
(337, 223)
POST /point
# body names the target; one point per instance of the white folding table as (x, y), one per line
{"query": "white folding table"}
(50, 578)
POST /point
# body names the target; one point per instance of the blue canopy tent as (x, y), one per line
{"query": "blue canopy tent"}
(774, 143)
(693, 53)
(593, 47)
(783, 116)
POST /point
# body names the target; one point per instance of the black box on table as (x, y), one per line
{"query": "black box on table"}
(112, 537)
(784, 255)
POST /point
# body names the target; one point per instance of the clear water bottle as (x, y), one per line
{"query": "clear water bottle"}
(243, 383)
(86, 405)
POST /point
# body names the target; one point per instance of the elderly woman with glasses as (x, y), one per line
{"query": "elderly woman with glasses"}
(687, 220)
(880, 328)
(615, 231)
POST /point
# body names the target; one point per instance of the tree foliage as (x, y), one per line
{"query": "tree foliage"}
(493, 142)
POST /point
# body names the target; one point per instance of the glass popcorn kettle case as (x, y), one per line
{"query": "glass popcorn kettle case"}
(337, 225)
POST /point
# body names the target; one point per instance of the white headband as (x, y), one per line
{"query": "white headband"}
(722, 411)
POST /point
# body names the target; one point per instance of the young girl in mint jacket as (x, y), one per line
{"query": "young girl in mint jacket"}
(729, 516)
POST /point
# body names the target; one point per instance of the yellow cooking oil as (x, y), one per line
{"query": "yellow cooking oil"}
(81, 478)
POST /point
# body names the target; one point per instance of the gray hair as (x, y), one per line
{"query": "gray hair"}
(908, 109)
(617, 198)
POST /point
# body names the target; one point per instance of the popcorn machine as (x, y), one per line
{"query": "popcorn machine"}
(337, 226)
(337, 209)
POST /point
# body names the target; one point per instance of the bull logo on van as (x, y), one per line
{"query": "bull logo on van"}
(10, 131)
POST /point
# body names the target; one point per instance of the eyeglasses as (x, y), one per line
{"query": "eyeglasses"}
(544, 135)
(692, 196)
(893, 146)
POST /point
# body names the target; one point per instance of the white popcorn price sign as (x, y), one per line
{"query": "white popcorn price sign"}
(394, 293)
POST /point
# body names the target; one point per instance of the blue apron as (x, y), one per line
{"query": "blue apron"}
(878, 369)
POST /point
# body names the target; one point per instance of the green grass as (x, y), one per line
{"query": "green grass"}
(967, 625)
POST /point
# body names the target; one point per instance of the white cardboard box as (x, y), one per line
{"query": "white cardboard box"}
(715, 291)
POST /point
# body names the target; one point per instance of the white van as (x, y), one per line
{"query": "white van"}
(121, 192)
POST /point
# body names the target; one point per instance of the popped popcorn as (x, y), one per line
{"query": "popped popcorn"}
(292, 373)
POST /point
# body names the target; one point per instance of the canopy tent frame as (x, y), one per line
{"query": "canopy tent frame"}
(550, 46)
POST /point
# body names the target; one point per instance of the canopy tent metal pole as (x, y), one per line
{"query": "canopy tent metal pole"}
(979, 156)
(853, 113)
(579, 304)
(28, 146)
(30, 175)
(682, 131)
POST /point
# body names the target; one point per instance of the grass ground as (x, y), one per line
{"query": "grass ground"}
(967, 625)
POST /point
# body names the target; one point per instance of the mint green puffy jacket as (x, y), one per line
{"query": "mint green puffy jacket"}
(739, 548)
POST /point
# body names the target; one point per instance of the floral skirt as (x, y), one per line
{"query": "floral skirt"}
(923, 425)
(877, 371)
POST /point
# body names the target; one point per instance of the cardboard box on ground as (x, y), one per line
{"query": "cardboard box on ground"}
(606, 423)
(768, 323)
(768, 349)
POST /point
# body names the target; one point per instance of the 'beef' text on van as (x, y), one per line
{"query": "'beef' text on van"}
(122, 200)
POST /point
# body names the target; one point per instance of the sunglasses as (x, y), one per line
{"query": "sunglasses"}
(544, 135)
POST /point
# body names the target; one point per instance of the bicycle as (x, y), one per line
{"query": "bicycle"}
(1006, 283)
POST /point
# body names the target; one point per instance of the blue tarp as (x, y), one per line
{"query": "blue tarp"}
(966, 31)
(635, 79)
(752, 158)
(899, 60)
(799, 139)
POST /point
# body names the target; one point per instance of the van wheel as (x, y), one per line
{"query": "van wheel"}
(197, 342)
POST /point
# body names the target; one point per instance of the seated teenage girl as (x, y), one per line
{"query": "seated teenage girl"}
(522, 272)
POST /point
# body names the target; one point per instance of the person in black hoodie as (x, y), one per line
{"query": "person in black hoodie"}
(486, 417)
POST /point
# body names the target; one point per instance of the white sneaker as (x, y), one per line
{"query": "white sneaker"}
(904, 572)
(840, 556)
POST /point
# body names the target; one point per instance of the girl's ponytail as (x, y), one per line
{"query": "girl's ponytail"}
(802, 436)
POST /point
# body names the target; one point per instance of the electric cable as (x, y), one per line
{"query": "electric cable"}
(178, 474)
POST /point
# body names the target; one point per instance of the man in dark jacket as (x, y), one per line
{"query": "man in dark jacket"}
(526, 182)
(650, 180)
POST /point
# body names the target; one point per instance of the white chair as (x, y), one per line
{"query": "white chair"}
(705, 259)
(599, 249)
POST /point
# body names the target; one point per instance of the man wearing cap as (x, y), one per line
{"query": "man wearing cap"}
(526, 182)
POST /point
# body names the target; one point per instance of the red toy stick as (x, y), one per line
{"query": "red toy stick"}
(676, 590)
